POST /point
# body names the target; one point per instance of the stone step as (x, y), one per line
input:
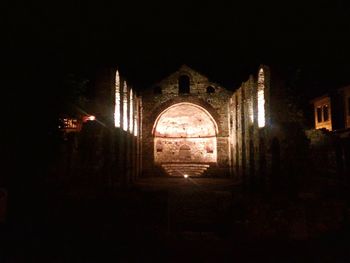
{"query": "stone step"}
(181, 174)
(179, 169)
(185, 168)
(185, 165)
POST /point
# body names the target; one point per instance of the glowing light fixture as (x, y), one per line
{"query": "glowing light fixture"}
(185, 176)
(117, 101)
(261, 99)
(89, 118)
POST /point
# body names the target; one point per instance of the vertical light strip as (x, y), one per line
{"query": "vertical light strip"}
(117, 101)
(131, 111)
(125, 107)
(261, 99)
(135, 117)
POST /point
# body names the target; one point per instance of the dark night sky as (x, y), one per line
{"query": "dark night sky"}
(148, 40)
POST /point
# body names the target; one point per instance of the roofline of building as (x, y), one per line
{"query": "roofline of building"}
(318, 98)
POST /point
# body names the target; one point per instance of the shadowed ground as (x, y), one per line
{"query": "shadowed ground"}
(171, 220)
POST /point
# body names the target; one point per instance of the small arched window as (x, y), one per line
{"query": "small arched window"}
(261, 98)
(210, 89)
(184, 84)
(157, 90)
(117, 101)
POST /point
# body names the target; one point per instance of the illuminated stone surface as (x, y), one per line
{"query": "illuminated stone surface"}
(185, 133)
(117, 101)
(195, 127)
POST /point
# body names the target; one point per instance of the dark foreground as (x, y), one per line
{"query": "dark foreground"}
(174, 221)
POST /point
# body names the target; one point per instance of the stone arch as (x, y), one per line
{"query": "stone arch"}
(188, 105)
(192, 100)
(188, 134)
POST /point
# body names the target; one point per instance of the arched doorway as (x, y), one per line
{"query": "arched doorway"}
(185, 139)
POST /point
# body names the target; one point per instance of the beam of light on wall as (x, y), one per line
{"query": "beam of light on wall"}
(125, 107)
(131, 111)
(117, 101)
(185, 120)
(135, 118)
(261, 99)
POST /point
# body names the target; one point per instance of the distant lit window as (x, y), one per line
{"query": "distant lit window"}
(117, 101)
(184, 84)
(319, 114)
(210, 89)
(125, 107)
(261, 98)
(325, 113)
(69, 123)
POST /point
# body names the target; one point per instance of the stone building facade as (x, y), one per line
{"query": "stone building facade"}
(192, 125)
(185, 125)
(189, 125)
(330, 140)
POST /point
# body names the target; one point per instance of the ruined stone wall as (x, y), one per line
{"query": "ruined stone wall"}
(247, 139)
(166, 93)
(345, 93)
(173, 149)
(266, 153)
(106, 155)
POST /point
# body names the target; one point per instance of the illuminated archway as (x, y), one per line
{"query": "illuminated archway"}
(185, 133)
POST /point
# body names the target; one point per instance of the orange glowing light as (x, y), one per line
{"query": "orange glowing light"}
(89, 118)
(186, 176)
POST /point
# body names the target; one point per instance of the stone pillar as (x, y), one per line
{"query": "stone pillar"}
(128, 149)
(122, 140)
